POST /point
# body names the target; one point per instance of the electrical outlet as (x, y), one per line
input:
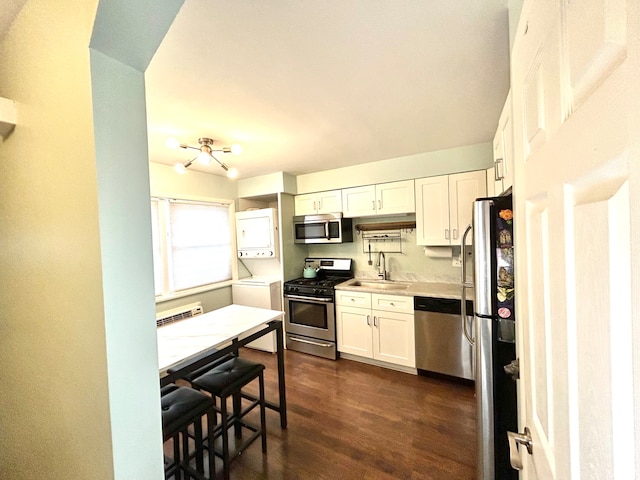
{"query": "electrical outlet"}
(456, 261)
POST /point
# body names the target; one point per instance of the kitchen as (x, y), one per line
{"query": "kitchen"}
(91, 293)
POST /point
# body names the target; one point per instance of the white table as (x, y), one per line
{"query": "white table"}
(219, 331)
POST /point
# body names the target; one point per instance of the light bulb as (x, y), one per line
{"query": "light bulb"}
(172, 142)
(204, 158)
(232, 172)
(180, 168)
(236, 149)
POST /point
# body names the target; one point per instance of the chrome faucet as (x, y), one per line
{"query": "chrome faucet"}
(382, 275)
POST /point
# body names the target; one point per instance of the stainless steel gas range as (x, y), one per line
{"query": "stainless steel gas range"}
(310, 323)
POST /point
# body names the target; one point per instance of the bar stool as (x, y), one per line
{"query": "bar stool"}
(227, 380)
(181, 408)
(187, 365)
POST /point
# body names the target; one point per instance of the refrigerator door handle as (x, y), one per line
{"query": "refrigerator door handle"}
(464, 264)
(465, 285)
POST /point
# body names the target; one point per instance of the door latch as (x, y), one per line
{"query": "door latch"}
(516, 439)
(513, 369)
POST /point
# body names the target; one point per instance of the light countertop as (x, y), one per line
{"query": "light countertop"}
(185, 338)
(413, 289)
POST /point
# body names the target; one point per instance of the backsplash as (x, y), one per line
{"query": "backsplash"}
(410, 265)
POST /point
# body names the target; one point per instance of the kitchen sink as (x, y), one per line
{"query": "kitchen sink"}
(378, 284)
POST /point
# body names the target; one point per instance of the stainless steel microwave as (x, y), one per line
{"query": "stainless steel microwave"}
(325, 228)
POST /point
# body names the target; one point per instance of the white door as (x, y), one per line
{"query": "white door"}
(432, 211)
(576, 93)
(396, 197)
(464, 188)
(394, 338)
(330, 202)
(359, 201)
(354, 331)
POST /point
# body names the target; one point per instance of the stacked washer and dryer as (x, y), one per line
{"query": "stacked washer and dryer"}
(257, 238)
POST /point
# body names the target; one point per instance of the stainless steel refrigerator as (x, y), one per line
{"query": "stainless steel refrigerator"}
(493, 333)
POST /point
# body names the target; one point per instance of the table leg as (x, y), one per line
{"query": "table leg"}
(236, 399)
(281, 383)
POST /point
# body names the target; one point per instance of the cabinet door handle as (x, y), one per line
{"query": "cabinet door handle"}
(373, 205)
(369, 320)
(499, 176)
(455, 233)
(379, 204)
(374, 321)
(446, 234)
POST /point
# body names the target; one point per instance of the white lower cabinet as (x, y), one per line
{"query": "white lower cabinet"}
(376, 326)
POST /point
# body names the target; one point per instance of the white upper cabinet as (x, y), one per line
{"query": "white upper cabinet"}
(491, 182)
(503, 151)
(381, 199)
(444, 206)
(318, 202)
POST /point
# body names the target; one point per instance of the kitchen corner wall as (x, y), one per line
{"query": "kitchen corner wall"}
(429, 164)
(410, 265)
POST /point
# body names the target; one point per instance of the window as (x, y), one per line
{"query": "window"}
(191, 244)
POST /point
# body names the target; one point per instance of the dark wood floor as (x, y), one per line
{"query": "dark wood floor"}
(349, 420)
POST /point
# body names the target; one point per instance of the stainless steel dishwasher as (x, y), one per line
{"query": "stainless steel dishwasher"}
(441, 346)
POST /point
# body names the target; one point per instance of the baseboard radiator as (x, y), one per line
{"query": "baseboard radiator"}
(180, 313)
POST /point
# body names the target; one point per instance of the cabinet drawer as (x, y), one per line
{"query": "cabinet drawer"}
(392, 303)
(353, 299)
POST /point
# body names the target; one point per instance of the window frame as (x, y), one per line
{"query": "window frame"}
(163, 205)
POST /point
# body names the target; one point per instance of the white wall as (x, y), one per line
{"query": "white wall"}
(461, 159)
(55, 419)
(125, 237)
(165, 180)
(515, 9)
(78, 356)
(123, 42)
(267, 185)
(410, 265)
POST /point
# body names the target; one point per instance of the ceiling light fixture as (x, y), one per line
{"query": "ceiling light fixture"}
(205, 154)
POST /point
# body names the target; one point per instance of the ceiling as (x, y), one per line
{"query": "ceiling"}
(310, 85)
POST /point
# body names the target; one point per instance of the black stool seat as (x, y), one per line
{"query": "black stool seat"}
(182, 407)
(227, 380)
(228, 377)
(187, 365)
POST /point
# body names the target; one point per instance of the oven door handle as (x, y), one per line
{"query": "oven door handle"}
(317, 344)
(310, 299)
